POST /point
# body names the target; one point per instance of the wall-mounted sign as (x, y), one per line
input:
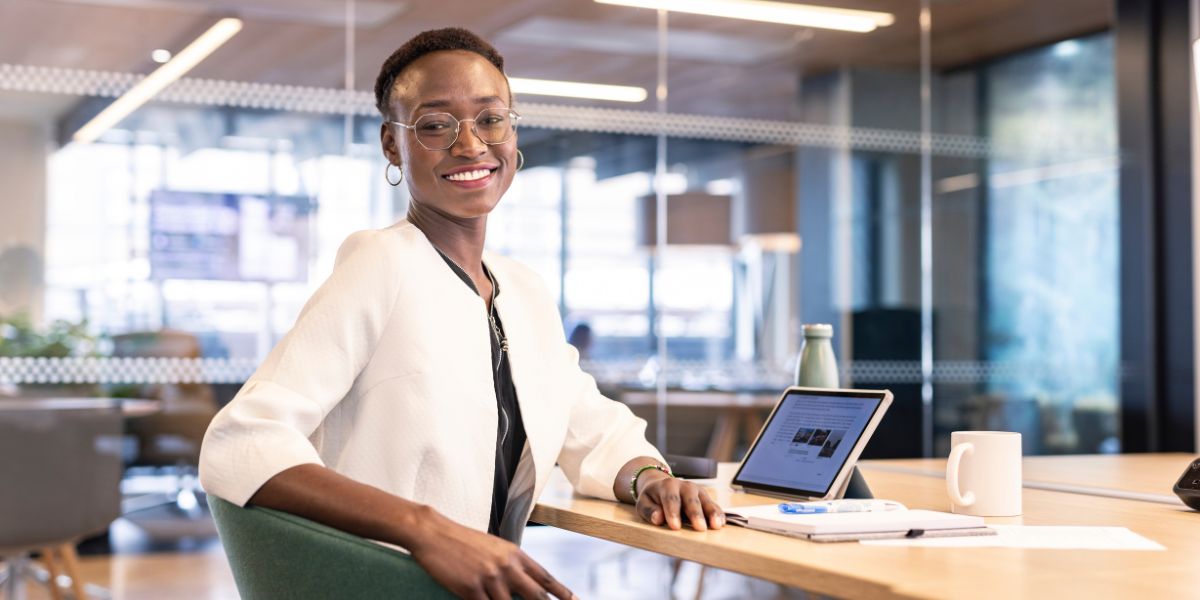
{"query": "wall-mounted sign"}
(236, 237)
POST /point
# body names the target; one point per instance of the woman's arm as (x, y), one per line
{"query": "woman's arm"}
(663, 500)
(267, 427)
(469, 563)
(602, 434)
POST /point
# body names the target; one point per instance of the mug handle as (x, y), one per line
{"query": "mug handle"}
(952, 466)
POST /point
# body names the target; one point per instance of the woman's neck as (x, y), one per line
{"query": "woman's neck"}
(460, 239)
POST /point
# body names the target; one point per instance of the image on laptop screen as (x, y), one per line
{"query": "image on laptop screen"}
(806, 442)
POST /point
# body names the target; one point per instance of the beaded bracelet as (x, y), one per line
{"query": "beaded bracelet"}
(633, 482)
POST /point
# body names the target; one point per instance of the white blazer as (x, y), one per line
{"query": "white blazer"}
(386, 378)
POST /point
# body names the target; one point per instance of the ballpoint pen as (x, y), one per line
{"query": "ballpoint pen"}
(837, 506)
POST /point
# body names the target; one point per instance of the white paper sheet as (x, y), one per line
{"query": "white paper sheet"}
(1036, 536)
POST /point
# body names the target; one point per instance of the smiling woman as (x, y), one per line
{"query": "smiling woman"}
(401, 393)
(449, 171)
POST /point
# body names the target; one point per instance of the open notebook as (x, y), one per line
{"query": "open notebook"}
(849, 526)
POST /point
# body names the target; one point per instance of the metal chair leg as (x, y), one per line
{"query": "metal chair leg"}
(14, 588)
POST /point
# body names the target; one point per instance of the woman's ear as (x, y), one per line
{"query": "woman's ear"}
(387, 143)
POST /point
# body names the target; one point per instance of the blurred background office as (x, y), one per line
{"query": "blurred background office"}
(990, 200)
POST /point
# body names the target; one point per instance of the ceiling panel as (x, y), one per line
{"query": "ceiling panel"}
(717, 66)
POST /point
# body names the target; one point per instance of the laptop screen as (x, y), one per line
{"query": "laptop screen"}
(807, 441)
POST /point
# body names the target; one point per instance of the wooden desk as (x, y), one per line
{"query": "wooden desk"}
(856, 571)
(130, 407)
(1134, 476)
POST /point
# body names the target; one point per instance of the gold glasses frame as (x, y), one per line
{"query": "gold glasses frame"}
(512, 115)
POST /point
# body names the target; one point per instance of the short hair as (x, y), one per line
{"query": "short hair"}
(426, 42)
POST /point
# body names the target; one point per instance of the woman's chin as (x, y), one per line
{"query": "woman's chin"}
(472, 208)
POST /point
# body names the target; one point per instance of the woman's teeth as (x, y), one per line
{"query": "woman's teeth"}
(469, 175)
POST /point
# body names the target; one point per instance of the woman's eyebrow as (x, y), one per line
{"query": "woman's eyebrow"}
(487, 100)
(441, 103)
(434, 104)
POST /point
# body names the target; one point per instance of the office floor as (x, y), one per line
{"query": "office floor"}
(593, 569)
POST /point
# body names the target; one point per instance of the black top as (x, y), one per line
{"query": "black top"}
(510, 429)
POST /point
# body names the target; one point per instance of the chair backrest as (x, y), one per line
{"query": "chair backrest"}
(173, 434)
(167, 343)
(279, 555)
(61, 474)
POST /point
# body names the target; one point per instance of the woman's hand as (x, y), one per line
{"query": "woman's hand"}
(666, 500)
(475, 565)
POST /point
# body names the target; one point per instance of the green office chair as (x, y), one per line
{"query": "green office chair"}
(279, 555)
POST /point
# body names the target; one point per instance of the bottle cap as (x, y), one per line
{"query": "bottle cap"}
(818, 330)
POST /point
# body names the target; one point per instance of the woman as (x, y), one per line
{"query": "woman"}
(400, 394)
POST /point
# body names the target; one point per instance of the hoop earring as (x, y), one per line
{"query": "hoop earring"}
(388, 169)
(520, 160)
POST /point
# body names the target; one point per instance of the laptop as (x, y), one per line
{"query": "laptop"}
(809, 445)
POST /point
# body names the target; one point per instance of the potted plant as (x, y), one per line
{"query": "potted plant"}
(20, 338)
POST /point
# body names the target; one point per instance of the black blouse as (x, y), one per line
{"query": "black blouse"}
(510, 429)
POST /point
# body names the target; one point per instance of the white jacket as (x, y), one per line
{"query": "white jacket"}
(386, 378)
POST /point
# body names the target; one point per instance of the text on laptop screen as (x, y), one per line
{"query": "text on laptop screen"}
(807, 441)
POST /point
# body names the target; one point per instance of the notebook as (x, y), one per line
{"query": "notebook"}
(837, 527)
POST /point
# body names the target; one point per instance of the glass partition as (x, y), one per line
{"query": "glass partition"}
(1043, 357)
(941, 189)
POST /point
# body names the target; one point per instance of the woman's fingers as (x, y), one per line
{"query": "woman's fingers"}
(495, 587)
(693, 509)
(650, 511)
(716, 516)
(546, 580)
(521, 584)
(670, 500)
(474, 565)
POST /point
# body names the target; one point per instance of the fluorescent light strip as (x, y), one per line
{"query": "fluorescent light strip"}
(571, 89)
(804, 15)
(163, 76)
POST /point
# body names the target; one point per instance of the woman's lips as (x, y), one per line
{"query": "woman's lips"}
(472, 178)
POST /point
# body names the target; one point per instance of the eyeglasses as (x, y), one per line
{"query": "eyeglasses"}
(439, 131)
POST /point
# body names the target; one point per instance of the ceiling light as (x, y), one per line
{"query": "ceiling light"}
(722, 187)
(804, 15)
(956, 183)
(571, 89)
(163, 76)
(160, 56)
(1066, 49)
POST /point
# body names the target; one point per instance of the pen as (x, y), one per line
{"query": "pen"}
(837, 506)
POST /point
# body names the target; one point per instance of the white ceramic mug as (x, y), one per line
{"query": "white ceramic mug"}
(983, 473)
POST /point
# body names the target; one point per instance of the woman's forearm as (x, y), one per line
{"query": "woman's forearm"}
(466, 562)
(320, 494)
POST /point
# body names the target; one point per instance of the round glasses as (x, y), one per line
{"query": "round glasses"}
(439, 131)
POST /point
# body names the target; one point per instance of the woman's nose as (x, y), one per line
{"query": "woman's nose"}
(468, 142)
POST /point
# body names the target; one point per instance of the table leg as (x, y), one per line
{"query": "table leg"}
(71, 565)
(52, 569)
(724, 436)
(752, 423)
(700, 582)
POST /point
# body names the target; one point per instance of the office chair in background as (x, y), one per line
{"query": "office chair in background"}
(59, 482)
(170, 438)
